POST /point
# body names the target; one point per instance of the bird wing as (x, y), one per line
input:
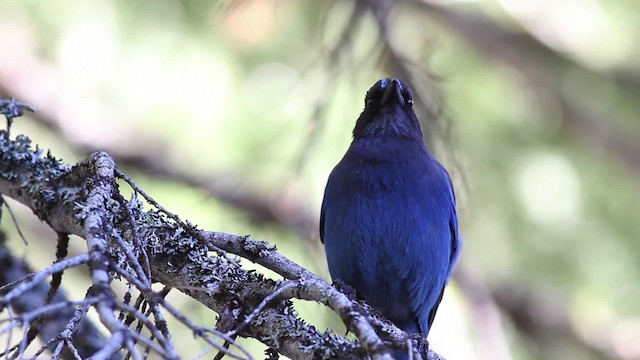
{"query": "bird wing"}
(456, 240)
(322, 214)
(425, 269)
(453, 258)
(429, 262)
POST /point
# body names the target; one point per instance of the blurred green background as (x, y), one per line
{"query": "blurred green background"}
(233, 113)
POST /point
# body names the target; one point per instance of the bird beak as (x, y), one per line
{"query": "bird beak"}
(393, 93)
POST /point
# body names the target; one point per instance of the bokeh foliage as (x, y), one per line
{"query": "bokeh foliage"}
(538, 105)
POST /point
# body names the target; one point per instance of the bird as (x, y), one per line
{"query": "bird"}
(388, 219)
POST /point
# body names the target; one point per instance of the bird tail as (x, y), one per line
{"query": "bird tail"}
(400, 355)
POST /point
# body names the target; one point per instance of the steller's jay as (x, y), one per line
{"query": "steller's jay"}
(388, 218)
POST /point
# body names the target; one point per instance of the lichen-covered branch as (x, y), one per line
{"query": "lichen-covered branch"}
(14, 269)
(126, 242)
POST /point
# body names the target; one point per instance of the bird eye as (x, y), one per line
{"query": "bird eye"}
(368, 102)
(410, 102)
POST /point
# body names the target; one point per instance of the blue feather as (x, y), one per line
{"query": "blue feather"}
(388, 218)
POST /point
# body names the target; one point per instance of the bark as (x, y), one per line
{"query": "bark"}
(155, 246)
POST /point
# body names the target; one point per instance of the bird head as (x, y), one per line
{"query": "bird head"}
(388, 111)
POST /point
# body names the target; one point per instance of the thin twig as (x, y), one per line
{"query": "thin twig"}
(41, 275)
(135, 236)
(200, 331)
(15, 221)
(192, 230)
(285, 286)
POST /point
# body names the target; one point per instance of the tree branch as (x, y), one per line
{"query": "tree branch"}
(85, 200)
(14, 270)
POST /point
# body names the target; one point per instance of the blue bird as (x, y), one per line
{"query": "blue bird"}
(388, 218)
